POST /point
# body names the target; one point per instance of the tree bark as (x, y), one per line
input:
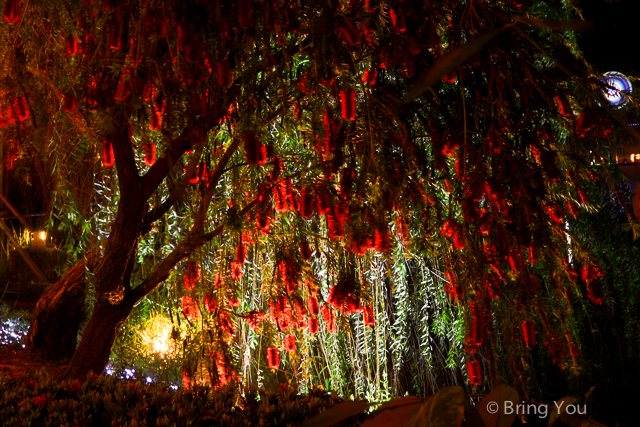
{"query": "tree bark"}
(92, 355)
(59, 312)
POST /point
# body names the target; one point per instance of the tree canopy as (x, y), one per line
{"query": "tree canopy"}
(194, 138)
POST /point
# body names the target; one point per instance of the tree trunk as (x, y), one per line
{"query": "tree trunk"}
(59, 312)
(92, 355)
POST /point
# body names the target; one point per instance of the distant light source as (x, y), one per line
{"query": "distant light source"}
(42, 235)
(618, 90)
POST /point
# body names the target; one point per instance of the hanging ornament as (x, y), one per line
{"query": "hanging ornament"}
(108, 157)
(348, 103)
(71, 44)
(149, 153)
(564, 106)
(369, 77)
(290, 343)
(225, 77)
(312, 306)
(313, 325)
(12, 11)
(475, 374)
(70, 102)
(306, 202)
(305, 250)
(241, 254)
(21, 108)
(529, 333)
(252, 148)
(113, 33)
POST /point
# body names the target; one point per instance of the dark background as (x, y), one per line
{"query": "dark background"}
(614, 44)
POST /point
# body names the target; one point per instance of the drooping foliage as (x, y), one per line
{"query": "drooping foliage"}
(280, 144)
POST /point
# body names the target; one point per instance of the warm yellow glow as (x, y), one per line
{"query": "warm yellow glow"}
(42, 235)
(157, 335)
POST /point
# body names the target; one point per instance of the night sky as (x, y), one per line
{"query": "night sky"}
(614, 43)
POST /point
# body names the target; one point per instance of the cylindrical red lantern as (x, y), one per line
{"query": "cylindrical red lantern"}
(252, 148)
(348, 103)
(313, 325)
(71, 44)
(306, 202)
(12, 11)
(475, 374)
(312, 305)
(529, 333)
(290, 343)
(108, 157)
(70, 102)
(149, 153)
(273, 357)
(241, 254)
(225, 76)
(305, 250)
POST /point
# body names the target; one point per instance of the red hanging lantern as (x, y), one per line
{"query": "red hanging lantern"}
(305, 250)
(108, 157)
(149, 153)
(312, 305)
(369, 77)
(71, 44)
(193, 270)
(225, 77)
(252, 148)
(306, 202)
(477, 324)
(475, 373)
(329, 319)
(273, 357)
(21, 108)
(113, 34)
(529, 333)
(349, 33)
(382, 241)
(313, 325)
(263, 221)
(564, 106)
(290, 343)
(348, 103)
(12, 11)
(241, 254)
(70, 102)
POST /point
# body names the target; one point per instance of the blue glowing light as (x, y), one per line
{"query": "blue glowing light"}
(618, 90)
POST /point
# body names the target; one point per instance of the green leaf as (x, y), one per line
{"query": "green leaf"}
(336, 414)
(491, 411)
(558, 409)
(443, 409)
(395, 412)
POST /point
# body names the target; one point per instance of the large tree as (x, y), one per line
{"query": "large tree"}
(465, 127)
